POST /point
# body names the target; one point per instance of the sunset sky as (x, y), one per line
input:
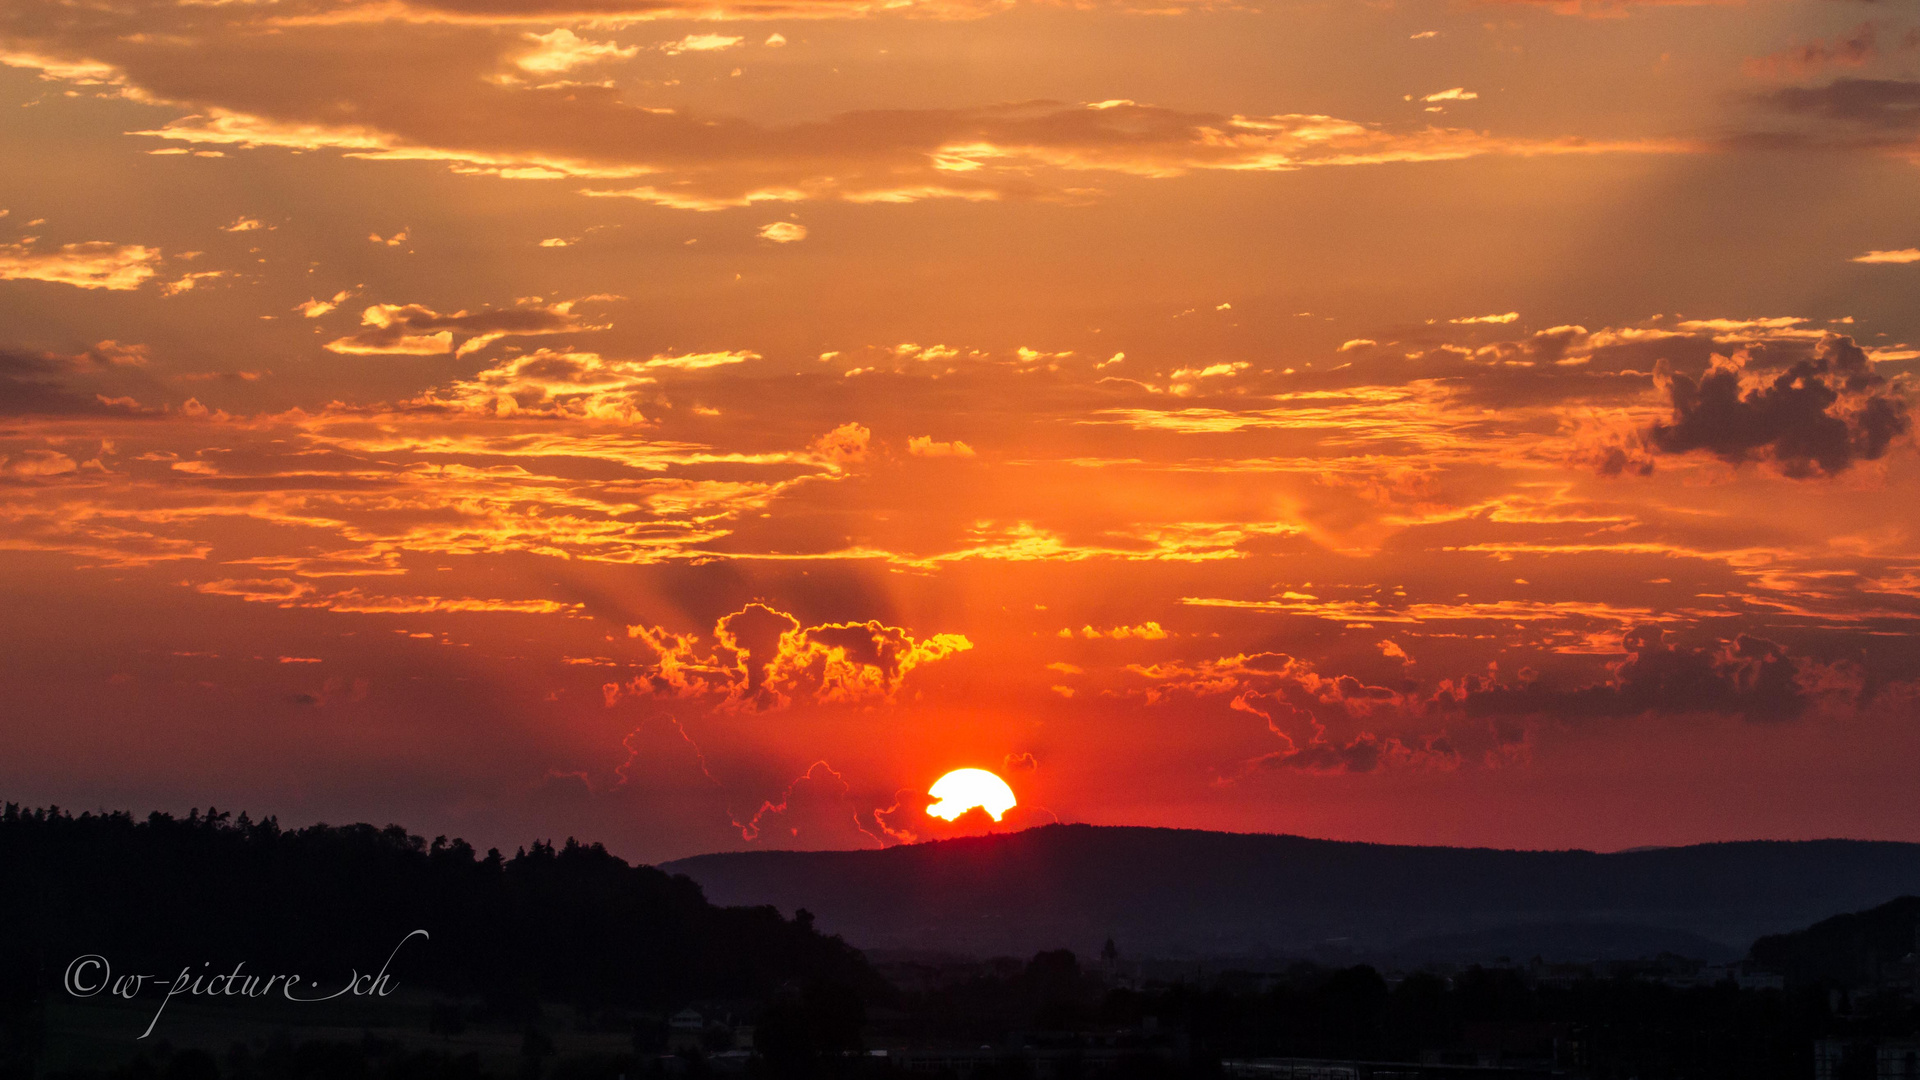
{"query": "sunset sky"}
(701, 426)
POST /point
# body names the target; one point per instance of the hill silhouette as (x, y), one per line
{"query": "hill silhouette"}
(1856, 949)
(572, 923)
(1189, 893)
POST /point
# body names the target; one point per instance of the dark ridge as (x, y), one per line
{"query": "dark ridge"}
(1860, 949)
(1176, 892)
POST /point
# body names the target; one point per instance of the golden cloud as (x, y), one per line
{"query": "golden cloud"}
(561, 50)
(764, 658)
(414, 330)
(94, 264)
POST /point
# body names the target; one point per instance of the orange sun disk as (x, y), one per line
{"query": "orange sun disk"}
(963, 789)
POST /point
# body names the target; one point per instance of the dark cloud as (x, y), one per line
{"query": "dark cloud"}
(1304, 699)
(1361, 754)
(872, 643)
(1854, 49)
(1617, 461)
(817, 810)
(36, 385)
(1819, 416)
(1749, 676)
(1879, 104)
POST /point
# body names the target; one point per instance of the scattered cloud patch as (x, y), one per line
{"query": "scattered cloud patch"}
(925, 446)
(763, 658)
(844, 445)
(561, 50)
(701, 361)
(189, 282)
(701, 43)
(1146, 631)
(313, 309)
(416, 330)
(94, 264)
(783, 232)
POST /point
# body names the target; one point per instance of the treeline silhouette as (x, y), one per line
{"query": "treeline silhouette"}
(570, 923)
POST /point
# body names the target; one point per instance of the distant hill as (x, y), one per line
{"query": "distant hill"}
(1849, 950)
(1175, 892)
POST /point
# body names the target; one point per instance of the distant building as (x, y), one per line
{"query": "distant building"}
(1897, 1059)
(686, 1030)
(1042, 1055)
(692, 1030)
(1893, 1059)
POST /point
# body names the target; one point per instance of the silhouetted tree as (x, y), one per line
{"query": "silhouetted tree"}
(567, 923)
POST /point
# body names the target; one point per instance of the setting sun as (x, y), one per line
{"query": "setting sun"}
(963, 789)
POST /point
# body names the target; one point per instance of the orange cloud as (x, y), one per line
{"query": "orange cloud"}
(845, 445)
(685, 159)
(764, 659)
(1897, 258)
(561, 50)
(313, 309)
(582, 385)
(783, 232)
(287, 593)
(1147, 631)
(925, 446)
(414, 330)
(701, 43)
(92, 265)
